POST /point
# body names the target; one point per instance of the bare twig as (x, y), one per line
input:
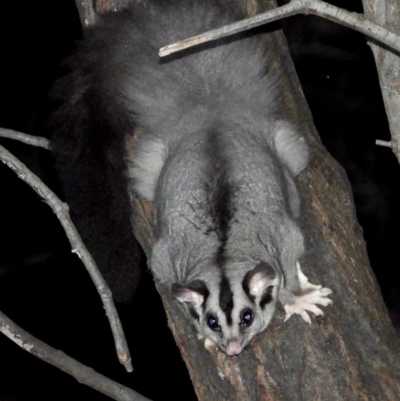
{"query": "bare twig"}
(86, 12)
(316, 7)
(80, 372)
(61, 210)
(91, 11)
(387, 144)
(25, 138)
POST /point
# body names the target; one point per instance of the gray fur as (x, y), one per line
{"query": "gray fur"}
(215, 157)
(225, 198)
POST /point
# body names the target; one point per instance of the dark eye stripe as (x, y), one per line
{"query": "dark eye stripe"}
(266, 298)
(193, 313)
(226, 299)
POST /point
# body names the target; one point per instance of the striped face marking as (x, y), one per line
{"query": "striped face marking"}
(230, 314)
(226, 299)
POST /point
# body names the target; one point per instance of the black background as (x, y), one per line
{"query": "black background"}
(45, 289)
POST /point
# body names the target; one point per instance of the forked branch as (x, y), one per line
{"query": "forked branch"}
(78, 247)
(80, 372)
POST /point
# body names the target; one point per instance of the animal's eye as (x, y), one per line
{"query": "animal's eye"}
(212, 322)
(246, 317)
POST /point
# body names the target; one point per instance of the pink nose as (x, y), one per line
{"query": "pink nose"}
(233, 348)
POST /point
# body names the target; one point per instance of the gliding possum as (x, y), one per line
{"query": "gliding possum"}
(211, 150)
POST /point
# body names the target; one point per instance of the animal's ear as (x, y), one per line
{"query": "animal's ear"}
(195, 293)
(259, 279)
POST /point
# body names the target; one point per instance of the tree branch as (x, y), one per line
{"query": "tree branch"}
(61, 210)
(25, 138)
(86, 12)
(386, 144)
(80, 372)
(387, 13)
(316, 7)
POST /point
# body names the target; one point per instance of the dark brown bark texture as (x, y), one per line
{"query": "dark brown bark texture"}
(350, 353)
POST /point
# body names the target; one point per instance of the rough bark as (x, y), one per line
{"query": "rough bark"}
(351, 353)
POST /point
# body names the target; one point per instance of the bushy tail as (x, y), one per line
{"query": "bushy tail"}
(88, 143)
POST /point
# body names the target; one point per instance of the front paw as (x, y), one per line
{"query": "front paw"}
(308, 302)
(311, 296)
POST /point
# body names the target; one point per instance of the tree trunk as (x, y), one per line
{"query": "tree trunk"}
(351, 353)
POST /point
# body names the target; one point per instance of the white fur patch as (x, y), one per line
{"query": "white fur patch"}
(146, 167)
(259, 282)
(291, 147)
(188, 295)
(209, 345)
